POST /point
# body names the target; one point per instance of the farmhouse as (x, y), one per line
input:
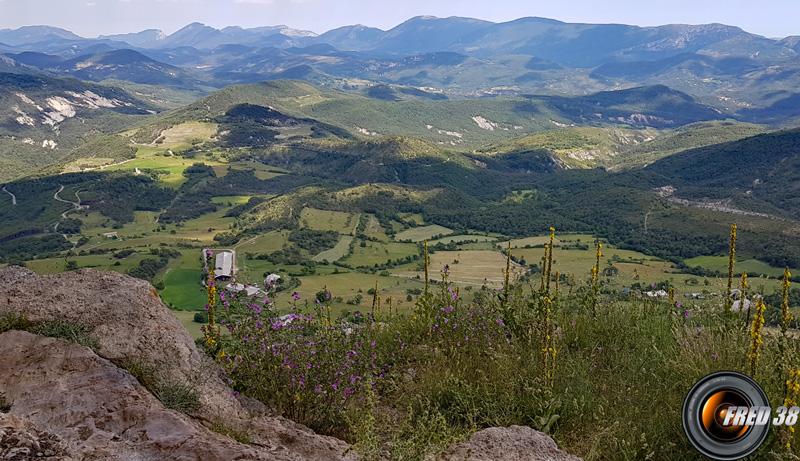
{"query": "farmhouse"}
(223, 267)
(224, 263)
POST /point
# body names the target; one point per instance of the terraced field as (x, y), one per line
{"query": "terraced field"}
(186, 134)
(337, 221)
(168, 166)
(720, 264)
(379, 253)
(418, 234)
(336, 253)
(469, 267)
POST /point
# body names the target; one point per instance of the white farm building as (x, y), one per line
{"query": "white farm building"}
(223, 268)
(224, 263)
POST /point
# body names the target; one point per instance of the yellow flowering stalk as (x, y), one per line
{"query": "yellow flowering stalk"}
(506, 280)
(791, 399)
(550, 258)
(596, 275)
(731, 264)
(756, 336)
(425, 262)
(672, 296)
(791, 387)
(548, 348)
(743, 286)
(558, 276)
(210, 331)
(786, 314)
(374, 301)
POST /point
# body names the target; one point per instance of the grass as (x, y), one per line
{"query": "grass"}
(578, 147)
(178, 396)
(12, 321)
(75, 333)
(187, 320)
(463, 238)
(264, 243)
(454, 367)
(261, 170)
(542, 239)
(348, 285)
(720, 264)
(173, 394)
(418, 234)
(188, 133)
(471, 267)
(69, 331)
(183, 290)
(240, 436)
(231, 200)
(337, 221)
(169, 167)
(379, 253)
(374, 230)
(339, 251)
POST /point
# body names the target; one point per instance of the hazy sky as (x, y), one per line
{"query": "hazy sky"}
(773, 18)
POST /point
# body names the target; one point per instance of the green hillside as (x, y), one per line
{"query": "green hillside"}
(456, 124)
(683, 138)
(42, 118)
(759, 173)
(578, 147)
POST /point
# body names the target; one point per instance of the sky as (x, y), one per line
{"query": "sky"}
(89, 18)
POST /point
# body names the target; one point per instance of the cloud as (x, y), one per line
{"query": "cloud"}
(254, 2)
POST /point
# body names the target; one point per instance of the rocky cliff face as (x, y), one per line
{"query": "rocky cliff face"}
(63, 401)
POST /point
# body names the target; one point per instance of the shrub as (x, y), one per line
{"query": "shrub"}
(200, 317)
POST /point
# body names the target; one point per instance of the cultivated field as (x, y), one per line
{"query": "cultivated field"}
(336, 221)
(336, 253)
(379, 253)
(418, 234)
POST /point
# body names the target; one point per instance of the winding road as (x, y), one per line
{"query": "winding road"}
(13, 197)
(75, 207)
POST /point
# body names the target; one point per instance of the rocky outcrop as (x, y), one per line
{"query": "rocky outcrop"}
(129, 322)
(514, 443)
(99, 410)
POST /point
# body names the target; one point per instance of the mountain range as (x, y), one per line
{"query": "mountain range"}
(724, 66)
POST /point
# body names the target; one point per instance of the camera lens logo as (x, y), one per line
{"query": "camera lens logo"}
(726, 416)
